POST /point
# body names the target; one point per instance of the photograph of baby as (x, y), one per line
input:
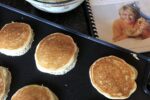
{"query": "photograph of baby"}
(130, 24)
(126, 24)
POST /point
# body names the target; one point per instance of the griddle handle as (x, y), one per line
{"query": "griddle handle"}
(146, 82)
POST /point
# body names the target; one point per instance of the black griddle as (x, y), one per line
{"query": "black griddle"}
(75, 85)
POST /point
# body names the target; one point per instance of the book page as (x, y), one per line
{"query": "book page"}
(106, 2)
(106, 15)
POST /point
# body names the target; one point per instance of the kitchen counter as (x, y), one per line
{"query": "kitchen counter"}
(74, 19)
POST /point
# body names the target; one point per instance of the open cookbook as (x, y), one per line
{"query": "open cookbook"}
(125, 23)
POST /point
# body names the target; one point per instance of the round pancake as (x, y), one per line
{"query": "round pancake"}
(5, 80)
(34, 92)
(15, 38)
(14, 35)
(56, 54)
(113, 77)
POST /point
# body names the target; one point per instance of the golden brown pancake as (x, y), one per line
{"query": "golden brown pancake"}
(56, 54)
(34, 92)
(113, 77)
(5, 80)
(15, 36)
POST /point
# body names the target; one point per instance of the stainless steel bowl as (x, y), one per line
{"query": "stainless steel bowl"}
(55, 6)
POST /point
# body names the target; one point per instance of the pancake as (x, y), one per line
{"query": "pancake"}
(113, 77)
(56, 54)
(5, 81)
(34, 92)
(15, 38)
